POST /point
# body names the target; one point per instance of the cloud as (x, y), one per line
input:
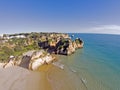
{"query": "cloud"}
(105, 29)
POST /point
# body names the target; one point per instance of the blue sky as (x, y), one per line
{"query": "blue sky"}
(83, 16)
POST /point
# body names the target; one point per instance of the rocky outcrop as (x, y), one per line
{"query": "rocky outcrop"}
(57, 43)
(10, 63)
(25, 62)
(67, 46)
(34, 59)
(31, 60)
(44, 44)
(64, 46)
(71, 49)
(54, 43)
(79, 43)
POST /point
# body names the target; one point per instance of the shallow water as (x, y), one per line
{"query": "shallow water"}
(98, 63)
(95, 67)
(62, 79)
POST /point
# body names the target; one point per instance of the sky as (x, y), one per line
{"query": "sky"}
(82, 16)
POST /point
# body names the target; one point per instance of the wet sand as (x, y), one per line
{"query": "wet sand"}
(62, 79)
(47, 77)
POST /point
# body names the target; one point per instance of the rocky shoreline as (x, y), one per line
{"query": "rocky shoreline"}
(31, 60)
(49, 45)
(62, 45)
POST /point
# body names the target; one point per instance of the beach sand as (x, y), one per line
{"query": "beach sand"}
(48, 77)
(17, 78)
(62, 79)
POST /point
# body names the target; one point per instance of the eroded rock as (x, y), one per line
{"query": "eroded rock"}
(36, 59)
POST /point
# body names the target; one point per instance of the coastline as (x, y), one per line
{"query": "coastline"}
(100, 70)
(49, 77)
(45, 74)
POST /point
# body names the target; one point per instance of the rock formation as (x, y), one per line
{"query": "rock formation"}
(64, 46)
(34, 59)
(50, 43)
(31, 60)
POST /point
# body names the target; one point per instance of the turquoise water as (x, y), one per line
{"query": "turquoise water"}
(98, 63)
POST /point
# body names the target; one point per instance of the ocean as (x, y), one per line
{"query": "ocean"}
(98, 63)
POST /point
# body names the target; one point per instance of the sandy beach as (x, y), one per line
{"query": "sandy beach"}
(17, 78)
(48, 77)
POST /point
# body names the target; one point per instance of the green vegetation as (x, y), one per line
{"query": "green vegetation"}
(17, 46)
(11, 44)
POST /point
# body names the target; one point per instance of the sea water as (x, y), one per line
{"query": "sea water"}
(98, 63)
